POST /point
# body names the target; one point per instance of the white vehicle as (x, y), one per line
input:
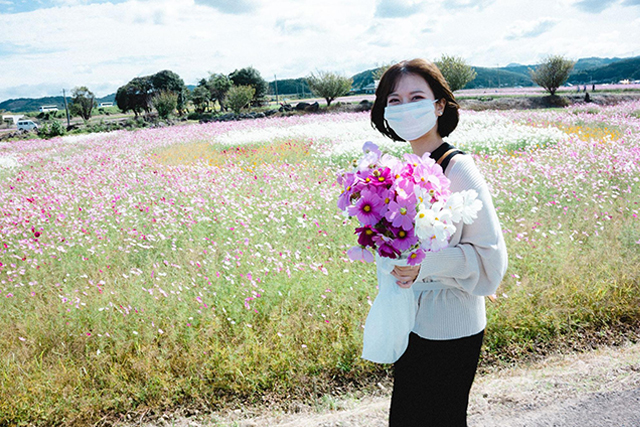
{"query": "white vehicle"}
(26, 125)
(48, 108)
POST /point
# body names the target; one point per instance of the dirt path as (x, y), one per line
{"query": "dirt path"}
(597, 389)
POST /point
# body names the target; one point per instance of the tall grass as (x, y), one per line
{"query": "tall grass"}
(151, 270)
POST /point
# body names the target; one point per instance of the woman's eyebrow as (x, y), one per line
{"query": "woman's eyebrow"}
(410, 93)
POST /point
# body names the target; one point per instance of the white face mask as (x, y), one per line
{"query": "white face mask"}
(411, 120)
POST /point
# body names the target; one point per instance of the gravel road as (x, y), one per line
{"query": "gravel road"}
(600, 388)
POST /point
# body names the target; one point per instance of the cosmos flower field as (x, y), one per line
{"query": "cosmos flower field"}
(205, 266)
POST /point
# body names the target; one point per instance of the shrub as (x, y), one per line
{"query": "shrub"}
(329, 85)
(239, 96)
(455, 71)
(51, 130)
(552, 73)
(165, 103)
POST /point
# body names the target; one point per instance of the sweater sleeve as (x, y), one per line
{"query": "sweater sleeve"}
(478, 261)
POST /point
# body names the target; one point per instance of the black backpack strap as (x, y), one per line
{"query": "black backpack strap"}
(443, 154)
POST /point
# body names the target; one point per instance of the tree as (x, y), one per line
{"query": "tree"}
(83, 102)
(200, 96)
(552, 72)
(455, 71)
(249, 76)
(219, 85)
(167, 80)
(239, 96)
(377, 74)
(165, 103)
(135, 96)
(329, 85)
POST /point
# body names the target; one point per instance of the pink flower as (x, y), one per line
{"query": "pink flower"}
(416, 257)
(366, 235)
(358, 253)
(381, 177)
(404, 239)
(388, 251)
(369, 209)
(401, 212)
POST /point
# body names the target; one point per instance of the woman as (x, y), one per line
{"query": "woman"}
(433, 377)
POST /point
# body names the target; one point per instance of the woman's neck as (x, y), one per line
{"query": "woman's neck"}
(427, 143)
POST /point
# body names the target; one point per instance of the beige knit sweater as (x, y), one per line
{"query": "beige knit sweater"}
(452, 283)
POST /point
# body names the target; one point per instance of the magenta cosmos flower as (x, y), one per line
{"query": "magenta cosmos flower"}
(366, 235)
(381, 178)
(369, 209)
(404, 239)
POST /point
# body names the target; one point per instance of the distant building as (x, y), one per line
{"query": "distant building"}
(48, 108)
(11, 118)
(105, 104)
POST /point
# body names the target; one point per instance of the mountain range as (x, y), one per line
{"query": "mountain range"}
(586, 70)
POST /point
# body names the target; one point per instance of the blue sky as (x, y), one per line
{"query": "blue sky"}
(48, 45)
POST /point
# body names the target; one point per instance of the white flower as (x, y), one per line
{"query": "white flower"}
(434, 222)
(471, 206)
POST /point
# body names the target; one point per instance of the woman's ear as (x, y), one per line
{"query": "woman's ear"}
(440, 106)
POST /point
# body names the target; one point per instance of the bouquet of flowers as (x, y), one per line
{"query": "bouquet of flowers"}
(405, 209)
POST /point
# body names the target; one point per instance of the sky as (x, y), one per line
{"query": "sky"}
(50, 45)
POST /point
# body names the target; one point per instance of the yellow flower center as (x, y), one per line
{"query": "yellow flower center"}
(402, 234)
(413, 256)
(367, 208)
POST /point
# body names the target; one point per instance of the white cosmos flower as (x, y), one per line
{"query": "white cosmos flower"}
(434, 222)
(471, 206)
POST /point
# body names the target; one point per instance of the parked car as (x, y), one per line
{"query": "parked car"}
(26, 125)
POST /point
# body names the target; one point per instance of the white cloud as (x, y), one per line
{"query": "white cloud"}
(526, 29)
(103, 45)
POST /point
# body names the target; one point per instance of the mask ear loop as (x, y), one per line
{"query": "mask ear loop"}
(440, 113)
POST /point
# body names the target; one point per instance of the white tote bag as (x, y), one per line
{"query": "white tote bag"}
(391, 317)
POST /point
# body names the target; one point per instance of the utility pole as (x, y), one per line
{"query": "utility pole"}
(276, 84)
(498, 71)
(66, 107)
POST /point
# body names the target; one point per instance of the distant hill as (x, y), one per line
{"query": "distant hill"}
(362, 79)
(27, 105)
(589, 63)
(504, 77)
(290, 86)
(628, 68)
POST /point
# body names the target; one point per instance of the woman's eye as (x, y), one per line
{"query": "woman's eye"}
(392, 101)
(417, 98)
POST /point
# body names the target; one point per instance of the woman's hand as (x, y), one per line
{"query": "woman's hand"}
(405, 275)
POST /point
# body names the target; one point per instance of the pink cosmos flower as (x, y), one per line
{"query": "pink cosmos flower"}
(381, 178)
(348, 181)
(370, 208)
(358, 253)
(404, 239)
(366, 235)
(416, 257)
(402, 212)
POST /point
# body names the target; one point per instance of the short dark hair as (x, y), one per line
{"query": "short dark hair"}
(447, 122)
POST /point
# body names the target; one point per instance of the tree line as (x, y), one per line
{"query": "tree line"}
(166, 92)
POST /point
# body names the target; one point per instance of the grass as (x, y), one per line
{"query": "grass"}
(216, 277)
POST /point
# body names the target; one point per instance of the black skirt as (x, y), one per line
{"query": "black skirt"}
(432, 381)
